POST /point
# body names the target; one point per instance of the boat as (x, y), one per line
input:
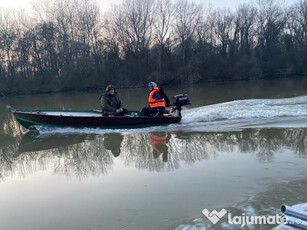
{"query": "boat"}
(31, 119)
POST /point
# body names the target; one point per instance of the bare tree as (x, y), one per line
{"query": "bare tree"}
(162, 23)
(298, 21)
(88, 24)
(272, 19)
(42, 10)
(245, 26)
(187, 18)
(68, 44)
(8, 40)
(131, 26)
(206, 36)
(224, 29)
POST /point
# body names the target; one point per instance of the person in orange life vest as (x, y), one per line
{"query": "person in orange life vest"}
(158, 142)
(157, 101)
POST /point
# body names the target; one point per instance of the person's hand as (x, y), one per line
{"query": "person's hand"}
(119, 110)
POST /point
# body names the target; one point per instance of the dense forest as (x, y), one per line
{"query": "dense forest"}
(73, 45)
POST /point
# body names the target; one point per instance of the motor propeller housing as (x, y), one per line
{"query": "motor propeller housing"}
(179, 101)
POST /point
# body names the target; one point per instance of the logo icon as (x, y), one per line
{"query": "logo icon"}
(214, 216)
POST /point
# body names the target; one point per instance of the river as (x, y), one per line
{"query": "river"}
(241, 146)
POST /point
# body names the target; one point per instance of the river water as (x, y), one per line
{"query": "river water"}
(241, 146)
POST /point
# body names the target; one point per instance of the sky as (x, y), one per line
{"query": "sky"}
(105, 4)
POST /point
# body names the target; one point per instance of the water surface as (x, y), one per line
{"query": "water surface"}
(240, 146)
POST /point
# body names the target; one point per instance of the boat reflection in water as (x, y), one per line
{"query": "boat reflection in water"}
(83, 155)
(33, 141)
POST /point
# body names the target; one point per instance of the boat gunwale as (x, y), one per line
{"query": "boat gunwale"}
(41, 113)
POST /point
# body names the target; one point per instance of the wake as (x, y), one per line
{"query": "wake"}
(248, 109)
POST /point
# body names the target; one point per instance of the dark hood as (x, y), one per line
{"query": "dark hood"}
(108, 88)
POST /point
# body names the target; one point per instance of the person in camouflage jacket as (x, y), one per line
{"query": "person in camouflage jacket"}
(111, 104)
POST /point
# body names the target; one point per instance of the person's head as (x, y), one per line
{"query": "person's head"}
(110, 89)
(152, 85)
(116, 151)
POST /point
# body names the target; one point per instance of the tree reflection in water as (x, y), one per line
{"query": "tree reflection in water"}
(83, 155)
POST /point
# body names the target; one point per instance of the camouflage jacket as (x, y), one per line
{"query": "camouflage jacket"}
(110, 103)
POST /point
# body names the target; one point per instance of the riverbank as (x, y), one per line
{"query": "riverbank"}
(166, 83)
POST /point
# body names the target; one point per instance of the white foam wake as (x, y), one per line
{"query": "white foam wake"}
(248, 109)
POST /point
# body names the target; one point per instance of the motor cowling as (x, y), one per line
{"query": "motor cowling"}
(181, 100)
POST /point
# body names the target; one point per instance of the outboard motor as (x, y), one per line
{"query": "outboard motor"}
(179, 101)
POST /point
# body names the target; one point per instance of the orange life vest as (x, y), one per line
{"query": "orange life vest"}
(155, 102)
(157, 140)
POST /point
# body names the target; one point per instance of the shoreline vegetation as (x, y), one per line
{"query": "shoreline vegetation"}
(65, 45)
(102, 88)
